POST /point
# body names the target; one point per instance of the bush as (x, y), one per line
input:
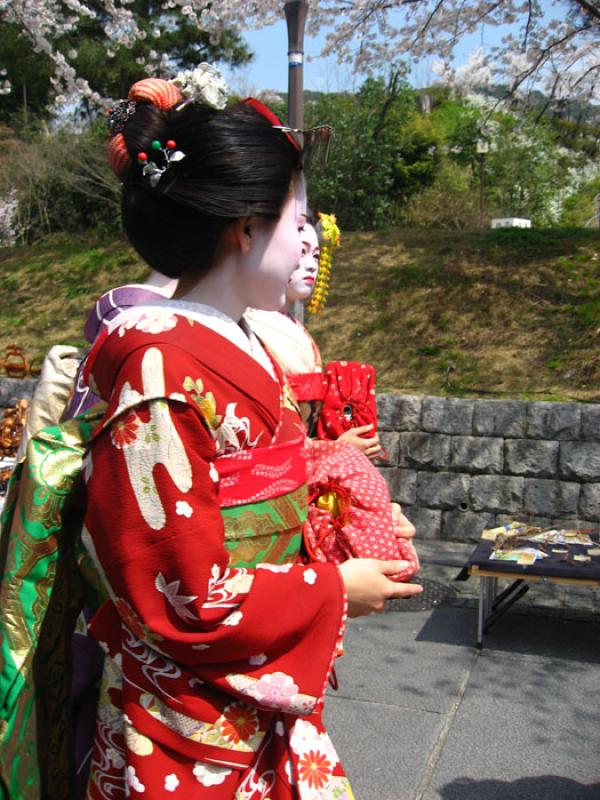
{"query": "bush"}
(580, 209)
(62, 182)
(451, 202)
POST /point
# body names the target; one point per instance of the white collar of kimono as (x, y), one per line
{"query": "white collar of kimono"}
(239, 335)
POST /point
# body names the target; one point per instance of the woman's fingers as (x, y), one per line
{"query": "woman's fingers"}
(403, 527)
(362, 429)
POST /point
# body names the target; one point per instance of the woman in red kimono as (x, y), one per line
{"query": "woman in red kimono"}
(219, 642)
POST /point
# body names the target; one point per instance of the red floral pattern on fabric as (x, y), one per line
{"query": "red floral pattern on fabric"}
(124, 431)
(315, 769)
(240, 723)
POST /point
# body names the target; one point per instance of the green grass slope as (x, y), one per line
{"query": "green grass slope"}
(509, 313)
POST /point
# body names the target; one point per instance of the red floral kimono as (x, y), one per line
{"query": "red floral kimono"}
(220, 644)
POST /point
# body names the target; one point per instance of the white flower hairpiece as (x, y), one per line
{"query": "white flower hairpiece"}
(204, 84)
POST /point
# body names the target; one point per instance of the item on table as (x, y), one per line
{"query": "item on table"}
(11, 428)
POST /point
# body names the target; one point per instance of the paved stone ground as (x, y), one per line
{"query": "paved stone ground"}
(422, 715)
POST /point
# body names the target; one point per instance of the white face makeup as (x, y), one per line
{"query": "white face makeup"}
(275, 251)
(302, 282)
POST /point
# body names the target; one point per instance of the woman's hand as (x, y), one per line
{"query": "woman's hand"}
(403, 527)
(367, 586)
(371, 447)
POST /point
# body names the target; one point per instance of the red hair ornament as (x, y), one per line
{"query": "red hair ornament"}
(266, 112)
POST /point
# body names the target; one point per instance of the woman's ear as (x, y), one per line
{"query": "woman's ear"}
(237, 237)
(243, 234)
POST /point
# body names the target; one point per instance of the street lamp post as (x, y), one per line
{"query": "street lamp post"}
(295, 17)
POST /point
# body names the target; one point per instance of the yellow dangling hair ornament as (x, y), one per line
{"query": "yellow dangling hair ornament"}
(330, 239)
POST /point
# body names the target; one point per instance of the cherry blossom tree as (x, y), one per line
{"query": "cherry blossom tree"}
(550, 43)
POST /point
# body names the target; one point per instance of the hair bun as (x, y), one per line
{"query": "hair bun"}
(118, 156)
(160, 93)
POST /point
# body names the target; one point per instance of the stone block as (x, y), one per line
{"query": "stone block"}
(477, 454)
(580, 461)
(531, 457)
(443, 490)
(547, 420)
(551, 498)
(447, 415)
(427, 521)
(402, 484)
(396, 412)
(506, 418)
(522, 516)
(424, 450)
(576, 522)
(465, 526)
(390, 441)
(590, 422)
(14, 389)
(589, 502)
(499, 493)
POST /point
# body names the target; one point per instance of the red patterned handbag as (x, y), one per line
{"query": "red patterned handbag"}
(348, 400)
(349, 512)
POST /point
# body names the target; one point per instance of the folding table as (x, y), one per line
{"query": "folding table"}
(555, 568)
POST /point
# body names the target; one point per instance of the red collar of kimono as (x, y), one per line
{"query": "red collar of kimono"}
(201, 344)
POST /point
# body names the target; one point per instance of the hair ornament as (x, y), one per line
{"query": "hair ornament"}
(329, 233)
(118, 115)
(151, 168)
(204, 84)
(271, 117)
(160, 93)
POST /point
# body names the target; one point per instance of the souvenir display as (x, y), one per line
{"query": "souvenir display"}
(526, 544)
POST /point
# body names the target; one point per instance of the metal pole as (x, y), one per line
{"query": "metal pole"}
(295, 16)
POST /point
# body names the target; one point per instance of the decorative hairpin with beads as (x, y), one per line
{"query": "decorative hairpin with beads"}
(118, 115)
(170, 155)
(329, 233)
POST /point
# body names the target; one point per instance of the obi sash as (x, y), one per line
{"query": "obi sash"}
(263, 496)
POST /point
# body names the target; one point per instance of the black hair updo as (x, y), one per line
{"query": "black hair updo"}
(236, 165)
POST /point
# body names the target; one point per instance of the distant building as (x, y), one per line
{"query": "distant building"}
(511, 222)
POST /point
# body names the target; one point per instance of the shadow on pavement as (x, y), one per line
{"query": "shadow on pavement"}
(542, 787)
(524, 634)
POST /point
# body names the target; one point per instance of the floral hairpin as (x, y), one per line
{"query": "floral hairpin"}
(204, 84)
(170, 155)
(118, 115)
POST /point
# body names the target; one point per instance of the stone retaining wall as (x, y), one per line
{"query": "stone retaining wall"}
(458, 466)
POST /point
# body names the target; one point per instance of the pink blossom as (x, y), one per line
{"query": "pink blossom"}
(277, 689)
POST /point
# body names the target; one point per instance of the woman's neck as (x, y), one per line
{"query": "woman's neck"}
(219, 288)
(165, 285)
